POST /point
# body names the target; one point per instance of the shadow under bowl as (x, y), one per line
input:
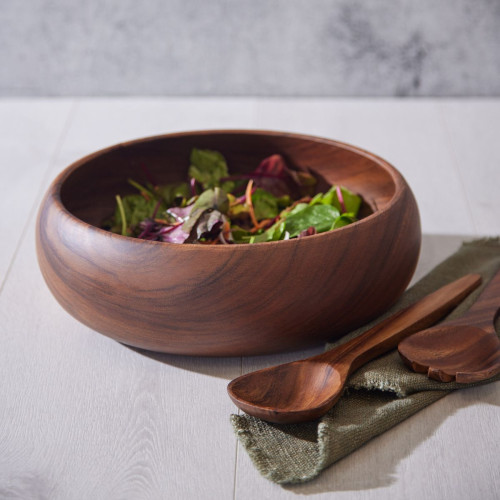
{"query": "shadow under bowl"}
(226, 300)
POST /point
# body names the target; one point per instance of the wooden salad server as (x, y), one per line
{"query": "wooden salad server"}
(306, 389)
(463, 350)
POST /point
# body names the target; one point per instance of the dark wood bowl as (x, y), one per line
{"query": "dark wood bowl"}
(226, 300)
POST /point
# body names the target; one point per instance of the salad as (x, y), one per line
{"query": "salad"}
(272, 203)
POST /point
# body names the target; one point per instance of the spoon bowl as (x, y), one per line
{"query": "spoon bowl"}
(464, 350)
(303, 397)
(463, 354)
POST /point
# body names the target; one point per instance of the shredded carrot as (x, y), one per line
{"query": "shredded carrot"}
(262, 224)
(226, 230)
(304, 199)
(248, 199)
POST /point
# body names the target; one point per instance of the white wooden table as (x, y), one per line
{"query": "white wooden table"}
(82, 416)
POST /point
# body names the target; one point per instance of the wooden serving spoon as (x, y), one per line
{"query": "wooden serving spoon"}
(463, 350)
(306, 389)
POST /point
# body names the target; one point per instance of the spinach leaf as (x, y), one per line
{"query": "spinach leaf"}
(295, 210)
(275, 233)
(265, 204)
(351, 201)
(321, 217)
(239, 234)
(344, 220)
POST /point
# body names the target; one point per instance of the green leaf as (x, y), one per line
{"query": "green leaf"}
(352, 201)
(295, 210)
(237, 210)
(213, 198)
(136, 209)
(275, 233)
(173, 192)
(323, 198)
(208, 167)
(284, 201)
(119, 207)
(239, 234)
(344, 220)
(322, 217)
(142, 189)
(265, 204)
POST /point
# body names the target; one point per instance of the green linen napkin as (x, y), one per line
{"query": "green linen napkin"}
(378, 396)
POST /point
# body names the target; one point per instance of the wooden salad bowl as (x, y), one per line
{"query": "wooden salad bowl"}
(226, 300)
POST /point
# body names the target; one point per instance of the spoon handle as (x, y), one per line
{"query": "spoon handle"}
(485, 309)
(386, 335)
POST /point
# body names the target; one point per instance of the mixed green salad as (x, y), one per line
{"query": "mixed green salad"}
(274, 202)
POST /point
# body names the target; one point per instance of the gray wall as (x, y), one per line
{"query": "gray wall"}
(250, 47)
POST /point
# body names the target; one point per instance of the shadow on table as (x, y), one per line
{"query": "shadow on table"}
(227, 368)
(375, 465)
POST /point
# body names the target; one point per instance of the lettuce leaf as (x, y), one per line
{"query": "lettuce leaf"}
(208, 168)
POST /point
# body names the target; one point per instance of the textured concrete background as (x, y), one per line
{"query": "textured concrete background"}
(250, 47)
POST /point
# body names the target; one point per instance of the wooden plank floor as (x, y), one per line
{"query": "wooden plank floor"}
(82, 416)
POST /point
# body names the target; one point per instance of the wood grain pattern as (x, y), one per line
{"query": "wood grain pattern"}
(306, 389)
(464, 350)
(226, 300)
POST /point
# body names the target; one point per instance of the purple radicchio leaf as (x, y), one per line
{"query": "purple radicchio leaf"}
(307, 232)
(180, 213)
(274, 176)
(154, 231)
(177, 234)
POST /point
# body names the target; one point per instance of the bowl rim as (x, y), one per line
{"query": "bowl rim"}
(54, 191)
